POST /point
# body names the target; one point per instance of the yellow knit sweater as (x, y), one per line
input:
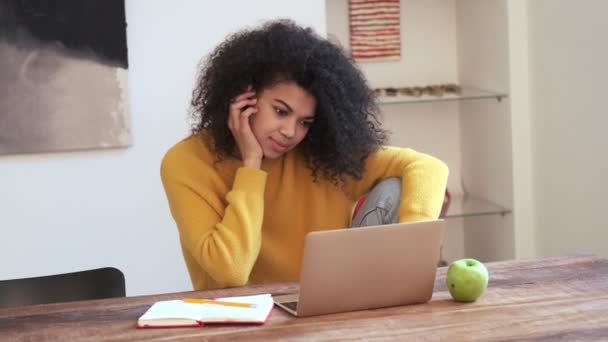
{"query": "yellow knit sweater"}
(239, 225)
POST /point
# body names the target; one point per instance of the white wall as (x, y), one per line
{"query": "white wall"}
(483, 58)
(524, 211)
(63, 212)
(568, 54)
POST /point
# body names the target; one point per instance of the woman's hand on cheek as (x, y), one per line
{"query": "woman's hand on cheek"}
(241, 109)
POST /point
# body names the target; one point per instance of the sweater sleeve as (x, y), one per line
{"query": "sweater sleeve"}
(423, 181)
(224, 237)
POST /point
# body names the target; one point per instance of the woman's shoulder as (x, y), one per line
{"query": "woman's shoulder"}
(390, 153)
(189, 153)
(392, 150)
(193, 145)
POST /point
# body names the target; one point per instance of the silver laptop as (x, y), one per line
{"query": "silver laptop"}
(367, 267)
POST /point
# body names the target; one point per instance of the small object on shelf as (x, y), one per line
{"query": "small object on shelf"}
(452, 88)
(390, 91)
(434, 90)
(411, 91)
(451, 92)
(416, 91)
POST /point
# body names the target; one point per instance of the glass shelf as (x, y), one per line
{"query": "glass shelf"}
(466, 93)
(466, 205)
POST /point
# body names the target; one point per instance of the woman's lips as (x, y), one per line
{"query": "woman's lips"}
(279, 147)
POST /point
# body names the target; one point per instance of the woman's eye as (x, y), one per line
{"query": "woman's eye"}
(280, 111)
(307, 123)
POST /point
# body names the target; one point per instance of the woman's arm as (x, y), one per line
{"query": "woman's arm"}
(224, 237)
(423, 181)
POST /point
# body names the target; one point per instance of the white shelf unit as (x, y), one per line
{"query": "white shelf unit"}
(464, 42)
(461, 205)
(467, 205)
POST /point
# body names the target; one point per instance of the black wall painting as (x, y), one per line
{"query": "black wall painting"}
(63, 75)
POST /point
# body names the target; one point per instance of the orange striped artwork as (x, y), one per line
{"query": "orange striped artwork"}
(375, 30)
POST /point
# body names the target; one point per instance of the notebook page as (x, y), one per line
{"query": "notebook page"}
(221, 313)
(172, 309)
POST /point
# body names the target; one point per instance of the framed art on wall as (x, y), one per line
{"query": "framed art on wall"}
(63, 83)
(375, 29)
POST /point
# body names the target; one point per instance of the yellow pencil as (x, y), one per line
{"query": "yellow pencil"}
(218, 302)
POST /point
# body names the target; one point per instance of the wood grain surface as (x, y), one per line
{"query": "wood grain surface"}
(551, 299)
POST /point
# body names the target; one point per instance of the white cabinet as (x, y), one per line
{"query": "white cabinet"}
(463, 203)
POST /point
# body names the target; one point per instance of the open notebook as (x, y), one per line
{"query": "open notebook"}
(178, 313)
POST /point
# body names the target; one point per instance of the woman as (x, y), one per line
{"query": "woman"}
(285, 141)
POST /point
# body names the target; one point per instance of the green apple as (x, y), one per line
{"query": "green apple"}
(466, 279)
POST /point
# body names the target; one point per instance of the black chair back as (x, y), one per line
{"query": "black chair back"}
(107, 282)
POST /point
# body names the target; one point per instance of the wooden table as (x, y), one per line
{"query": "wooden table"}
(553, 299)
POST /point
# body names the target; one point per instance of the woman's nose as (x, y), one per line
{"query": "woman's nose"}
(288, 129)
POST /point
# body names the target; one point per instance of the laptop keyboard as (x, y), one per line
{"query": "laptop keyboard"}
(292, 305)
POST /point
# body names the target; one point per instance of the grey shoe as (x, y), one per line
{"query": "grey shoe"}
(381, 205)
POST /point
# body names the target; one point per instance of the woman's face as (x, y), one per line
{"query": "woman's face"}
(285, 113)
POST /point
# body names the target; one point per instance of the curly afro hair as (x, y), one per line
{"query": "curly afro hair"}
(346, 127)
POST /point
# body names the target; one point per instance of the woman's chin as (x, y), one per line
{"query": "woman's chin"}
(273, 155)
